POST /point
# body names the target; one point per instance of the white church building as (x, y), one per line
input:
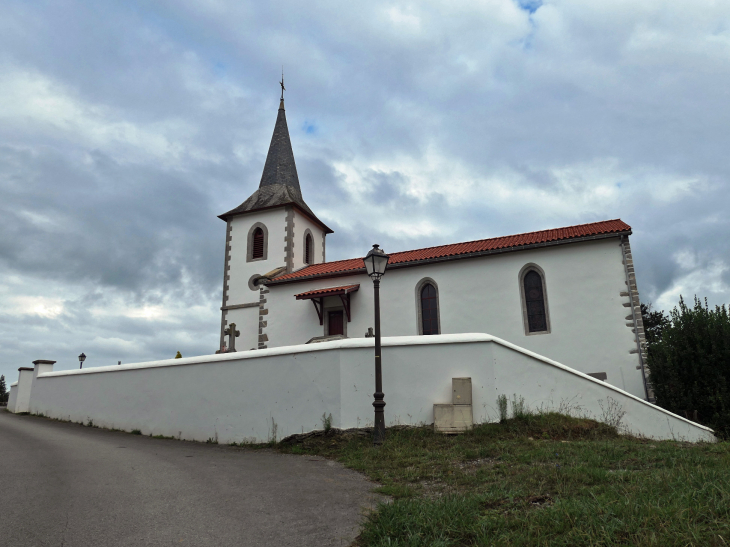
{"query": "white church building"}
(568, 294)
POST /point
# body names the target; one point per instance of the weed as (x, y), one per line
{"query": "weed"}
(89, 423)
(519, 408)
(612, 413)
(273, 431)
(136, 432)
(326, 422)
(502, 406)
(247, 442)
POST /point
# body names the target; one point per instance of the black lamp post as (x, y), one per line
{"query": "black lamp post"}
(375, 263)
(82, 358)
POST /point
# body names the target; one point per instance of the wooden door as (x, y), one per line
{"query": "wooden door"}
(335, 322)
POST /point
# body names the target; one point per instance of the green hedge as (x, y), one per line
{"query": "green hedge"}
(690, 364)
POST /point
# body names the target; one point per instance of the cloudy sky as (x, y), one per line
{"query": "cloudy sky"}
(127, 126)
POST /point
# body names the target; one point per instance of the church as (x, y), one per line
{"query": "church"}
(568, 294)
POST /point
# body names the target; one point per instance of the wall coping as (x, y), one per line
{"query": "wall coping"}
(352, 343)
(14, 384)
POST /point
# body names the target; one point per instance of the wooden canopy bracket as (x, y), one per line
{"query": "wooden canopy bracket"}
(346, 304)
(318, 305)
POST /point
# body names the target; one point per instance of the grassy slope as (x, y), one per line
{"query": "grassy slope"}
(539, 480)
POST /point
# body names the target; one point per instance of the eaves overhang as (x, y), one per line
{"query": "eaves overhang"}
(231, 214)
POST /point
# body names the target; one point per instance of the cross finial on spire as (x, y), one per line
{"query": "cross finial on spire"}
(281, 83)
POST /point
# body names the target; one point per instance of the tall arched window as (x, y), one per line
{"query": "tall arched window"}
(429, 310)
(534, 300)
(258, 243)
(308, 249)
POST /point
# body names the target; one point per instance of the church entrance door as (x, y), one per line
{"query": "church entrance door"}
(335, 321)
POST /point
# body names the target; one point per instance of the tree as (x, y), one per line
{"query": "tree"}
(3, 389)
(689, 364)
(654, 323)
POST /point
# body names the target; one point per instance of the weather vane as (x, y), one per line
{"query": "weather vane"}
(281, 83)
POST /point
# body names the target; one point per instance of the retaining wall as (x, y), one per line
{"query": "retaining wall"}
(254, 395)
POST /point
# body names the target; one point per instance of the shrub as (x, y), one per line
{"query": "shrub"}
(690, 365)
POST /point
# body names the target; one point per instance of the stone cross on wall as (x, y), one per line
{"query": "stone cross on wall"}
(232, 333)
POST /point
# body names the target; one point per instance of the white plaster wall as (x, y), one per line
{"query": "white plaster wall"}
(301, 223)
(13, 396)
(228, 397)
(584, 282)
(240, 270)
(22, 398)
(235, 397)
(247, 323)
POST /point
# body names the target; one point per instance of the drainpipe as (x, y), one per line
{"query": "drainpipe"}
(633, 314)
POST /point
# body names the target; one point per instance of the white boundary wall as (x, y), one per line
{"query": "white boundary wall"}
(19, 400)
(13, 397)
(239, 397)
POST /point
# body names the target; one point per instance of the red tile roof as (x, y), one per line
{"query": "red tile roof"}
(482, 246)
(332, 291)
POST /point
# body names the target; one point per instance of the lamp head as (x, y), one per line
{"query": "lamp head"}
(82, 358)
(375, 262)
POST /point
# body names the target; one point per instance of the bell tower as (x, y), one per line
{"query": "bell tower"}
(271, 233)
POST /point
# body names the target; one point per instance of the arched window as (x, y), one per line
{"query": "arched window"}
(308, 249)
(534, 301)
(258, 244)
(429, 310)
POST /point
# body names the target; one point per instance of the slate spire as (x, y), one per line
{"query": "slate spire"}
(279, 184)
(280, 167)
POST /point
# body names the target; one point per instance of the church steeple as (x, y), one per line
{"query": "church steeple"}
(280, 167)
(279, 183)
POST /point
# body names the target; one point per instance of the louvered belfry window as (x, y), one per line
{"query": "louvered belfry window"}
(429, 309)
(308, 249)
(258, 243)
(535, 302)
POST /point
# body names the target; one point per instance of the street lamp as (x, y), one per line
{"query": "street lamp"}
(82, 358)
(375, 263)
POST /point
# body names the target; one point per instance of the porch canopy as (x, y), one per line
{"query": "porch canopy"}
(317, 297)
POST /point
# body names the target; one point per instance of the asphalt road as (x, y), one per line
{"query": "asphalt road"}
(67, 485)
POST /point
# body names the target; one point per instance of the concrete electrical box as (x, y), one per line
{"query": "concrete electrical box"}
(461, 388)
